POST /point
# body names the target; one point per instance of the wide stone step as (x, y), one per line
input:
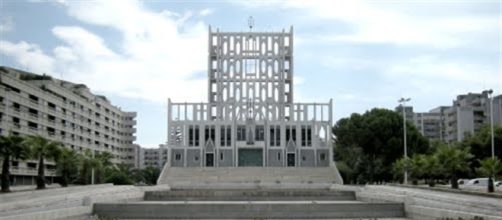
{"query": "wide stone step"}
(248, 195)
(248, 209)
(172, 175)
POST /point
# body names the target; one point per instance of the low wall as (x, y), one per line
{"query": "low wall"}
(65, 203)
(432, 204)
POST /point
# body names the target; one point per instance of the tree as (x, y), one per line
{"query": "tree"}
(431, 169)
(120, 175)
(67, 165)
(11, 147)
(43, 149)
(453, 161)
(85, 167)
(414, 166)
(151, 174)
(490, 167)
(379, 135)
(480, 144)
(101, 163)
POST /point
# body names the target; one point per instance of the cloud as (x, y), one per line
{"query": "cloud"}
(155, 56)
(28, 56)
(376, 22)
(206, 12)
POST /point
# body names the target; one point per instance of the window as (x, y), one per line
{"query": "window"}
(272, 135)
(209, 133)
(229, 135)
(51, 105)
(306, 136)
(33, 112)
(16, 106)
(190, 135)
(241, 133)
(275, 135)
(225, 135)
(196, 158)
(260, 133)
(278, 135)
(177, 157)
(279, 156)
(290, 133)
(33, 98)
(221, 156)
(222, 136)
(323, 156)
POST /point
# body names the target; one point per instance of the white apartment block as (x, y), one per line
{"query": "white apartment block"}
(468, 113)
(62, 111)
(153, 157)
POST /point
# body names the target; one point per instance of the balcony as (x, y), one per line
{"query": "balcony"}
(33, 116)
(29, 171)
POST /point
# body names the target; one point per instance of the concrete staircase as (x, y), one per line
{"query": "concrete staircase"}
(63, 203)
(194, 176)
(249, 203)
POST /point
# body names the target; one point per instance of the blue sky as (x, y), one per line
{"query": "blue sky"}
(363, 54)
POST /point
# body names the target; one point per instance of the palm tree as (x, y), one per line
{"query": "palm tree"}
(431, 169)
(151, 174)
(490, 167)
(86, 165)
(67, 166)
(452, 162)
(11, 147)
(43, 149)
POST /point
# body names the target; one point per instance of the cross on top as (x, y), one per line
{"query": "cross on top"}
(250, 22)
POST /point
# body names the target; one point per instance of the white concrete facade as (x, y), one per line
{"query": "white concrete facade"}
(250, 118)
(62, 111)
(467, 114)
(153, 157)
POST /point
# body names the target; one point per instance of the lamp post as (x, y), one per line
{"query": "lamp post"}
(403, 106)
(491, 121)
(92, 170)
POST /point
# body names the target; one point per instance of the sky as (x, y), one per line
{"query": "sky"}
(361, 54)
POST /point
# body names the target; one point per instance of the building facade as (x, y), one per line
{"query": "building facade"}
(467, 114)
(62, 111)
(250, 118)
(153, 157)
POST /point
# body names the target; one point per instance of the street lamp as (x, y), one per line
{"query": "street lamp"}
(491, 120)
(92, 170)
(403, 106)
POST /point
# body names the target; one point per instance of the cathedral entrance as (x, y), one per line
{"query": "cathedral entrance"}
(209, 160)
(291, 160)
(251, 157)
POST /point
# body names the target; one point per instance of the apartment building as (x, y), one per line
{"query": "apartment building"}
(153, 157)
(468, 113)
(63, 111)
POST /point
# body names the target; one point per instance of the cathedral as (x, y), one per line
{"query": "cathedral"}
(250, 118)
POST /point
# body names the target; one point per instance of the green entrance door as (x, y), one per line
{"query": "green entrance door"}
(250, 157)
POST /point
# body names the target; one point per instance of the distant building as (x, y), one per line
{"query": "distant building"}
(59, 110)
(468, 114)
(153, 157)
(429, 124)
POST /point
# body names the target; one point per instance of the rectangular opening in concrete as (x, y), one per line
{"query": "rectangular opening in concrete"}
(291, 160)
(251, 157)
(209, 160)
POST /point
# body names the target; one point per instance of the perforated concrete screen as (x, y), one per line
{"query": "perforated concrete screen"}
(250, 109)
